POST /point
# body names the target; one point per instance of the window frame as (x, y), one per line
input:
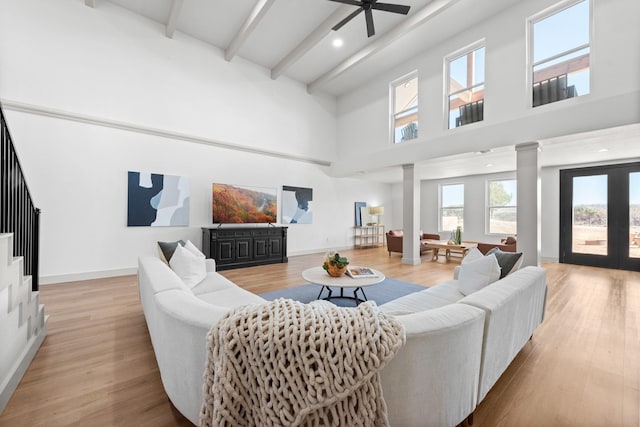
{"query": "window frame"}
(543, 14)
(441, 207)
(488, 207)
(447, 78)
(392, 103)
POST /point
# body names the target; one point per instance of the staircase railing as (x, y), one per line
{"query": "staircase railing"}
(18, 214)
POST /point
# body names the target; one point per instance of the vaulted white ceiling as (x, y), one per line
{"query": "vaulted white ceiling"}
(294, 37)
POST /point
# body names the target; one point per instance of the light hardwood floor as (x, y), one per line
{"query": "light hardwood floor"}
(582, 367)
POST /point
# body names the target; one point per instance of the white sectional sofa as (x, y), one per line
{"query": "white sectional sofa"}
(178, 319)
(456, 346)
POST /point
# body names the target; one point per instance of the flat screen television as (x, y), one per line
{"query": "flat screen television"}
(235, 204)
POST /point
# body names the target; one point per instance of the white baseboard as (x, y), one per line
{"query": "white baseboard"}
(88, 275)
(10, 383)
(91, 275)
(320, 251)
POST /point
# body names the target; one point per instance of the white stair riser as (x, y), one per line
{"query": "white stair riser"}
(22, 319)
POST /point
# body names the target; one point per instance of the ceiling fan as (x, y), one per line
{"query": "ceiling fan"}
(367, 6)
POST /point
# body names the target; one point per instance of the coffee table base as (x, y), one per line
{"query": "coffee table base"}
(355, 297)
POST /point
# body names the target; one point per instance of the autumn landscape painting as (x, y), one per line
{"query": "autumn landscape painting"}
(232, 204)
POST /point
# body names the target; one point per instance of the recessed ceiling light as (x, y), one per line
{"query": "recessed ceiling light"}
(484, 151)
(488, 165)
(337, 42)
(603, 150)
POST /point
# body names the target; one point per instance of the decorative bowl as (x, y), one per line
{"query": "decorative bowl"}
(335, 271)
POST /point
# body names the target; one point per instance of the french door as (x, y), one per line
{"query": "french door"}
(600, 216)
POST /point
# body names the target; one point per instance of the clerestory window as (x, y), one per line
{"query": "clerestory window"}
(404, 108)
(560, 50)
(465, 86)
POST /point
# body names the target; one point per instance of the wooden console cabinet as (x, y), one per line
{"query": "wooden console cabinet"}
(234, 247)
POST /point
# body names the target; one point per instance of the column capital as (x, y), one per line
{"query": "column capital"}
(535, 145)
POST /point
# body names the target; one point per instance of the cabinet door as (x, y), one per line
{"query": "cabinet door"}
(275, 247)
(243, 250)
(260, 248)
(225, 251)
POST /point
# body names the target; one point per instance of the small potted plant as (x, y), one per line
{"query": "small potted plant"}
(335, 264)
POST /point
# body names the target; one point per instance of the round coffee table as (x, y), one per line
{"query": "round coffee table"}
(318, 276)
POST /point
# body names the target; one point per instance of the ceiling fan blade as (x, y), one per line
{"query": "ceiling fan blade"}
(347, 19)
(351, 2)
(370, 28)
(395, 8)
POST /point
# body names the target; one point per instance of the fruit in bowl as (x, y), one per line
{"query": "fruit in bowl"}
(334, 264)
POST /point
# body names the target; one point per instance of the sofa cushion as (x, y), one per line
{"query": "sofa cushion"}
(508, 261)
(476, 274)
(231, 297)
(166, 250)
(213, 282)
(435, 297)
(191, 268)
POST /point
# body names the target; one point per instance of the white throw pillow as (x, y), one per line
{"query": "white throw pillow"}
(472, 255)
(476, 274)
(193, 249)
(190, 267)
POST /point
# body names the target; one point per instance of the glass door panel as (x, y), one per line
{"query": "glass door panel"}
(634, 215)
(589, 219)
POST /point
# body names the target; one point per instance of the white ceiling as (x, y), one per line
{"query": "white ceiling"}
(608, 145)
(294, 38)
(290, 26)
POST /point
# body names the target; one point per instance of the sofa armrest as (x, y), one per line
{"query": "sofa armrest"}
(433, 380)
(456, 272)
(514, 308)
(211, 265)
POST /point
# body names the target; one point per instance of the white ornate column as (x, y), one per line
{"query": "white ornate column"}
(529, 202)
(410, 215)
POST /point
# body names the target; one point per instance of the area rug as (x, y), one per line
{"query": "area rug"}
(385, 291)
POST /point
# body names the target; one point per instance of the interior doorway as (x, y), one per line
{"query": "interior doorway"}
(600, 216)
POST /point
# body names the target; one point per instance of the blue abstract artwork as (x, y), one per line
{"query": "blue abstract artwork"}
(156, 200)
(297, 205)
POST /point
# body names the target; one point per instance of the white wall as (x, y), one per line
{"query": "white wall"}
(509, 119)
(614, 100)
(108, 64)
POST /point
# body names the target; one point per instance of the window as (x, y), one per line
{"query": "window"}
(502, 207)
(404, 108)
(465, 91)
(560, 52)
(451, 206)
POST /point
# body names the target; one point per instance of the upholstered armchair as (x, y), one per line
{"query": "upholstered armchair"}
(394, 240)
(505, 245)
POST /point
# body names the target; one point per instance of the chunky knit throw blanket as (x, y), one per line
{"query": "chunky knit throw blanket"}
(285, 363)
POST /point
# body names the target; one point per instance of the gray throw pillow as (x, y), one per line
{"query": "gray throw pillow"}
(506, 260)
(167, 249)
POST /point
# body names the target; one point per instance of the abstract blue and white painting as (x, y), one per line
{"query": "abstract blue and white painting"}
(297, 205)
(156, 200)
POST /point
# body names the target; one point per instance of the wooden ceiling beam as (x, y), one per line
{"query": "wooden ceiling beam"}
(410, 23)
(254, 18)
(172, 21)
